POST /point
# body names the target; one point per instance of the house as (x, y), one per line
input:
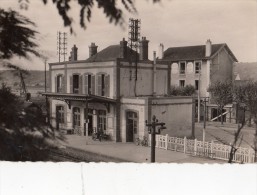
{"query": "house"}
(117, 90)
(200, 66)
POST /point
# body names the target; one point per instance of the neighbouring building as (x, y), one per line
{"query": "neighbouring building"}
(117, 89)
(200, 66)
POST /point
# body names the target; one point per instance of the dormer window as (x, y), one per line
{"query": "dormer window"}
(182, 67)
(197, 67)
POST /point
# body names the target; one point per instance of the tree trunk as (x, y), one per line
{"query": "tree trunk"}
(231, 154)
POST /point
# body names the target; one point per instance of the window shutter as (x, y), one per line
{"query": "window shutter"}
(71, 84)
(86, 84)
(62, 84)
(93, 84)
(107, 85)
(80, 84)
(99, 84)
(56, 87)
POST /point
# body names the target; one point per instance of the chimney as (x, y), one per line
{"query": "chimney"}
(161, 50)
(154, 73)
(73, 54)
(92, 49)
(208, 48)
(143, 49)
(123, 48)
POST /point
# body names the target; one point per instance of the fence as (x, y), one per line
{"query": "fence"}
(206, 149)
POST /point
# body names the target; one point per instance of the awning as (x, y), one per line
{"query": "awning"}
(68, 97)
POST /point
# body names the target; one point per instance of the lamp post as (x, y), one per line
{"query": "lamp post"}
(152, 130)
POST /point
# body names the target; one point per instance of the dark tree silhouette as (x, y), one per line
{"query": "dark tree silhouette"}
(16, 35)
(109, 7)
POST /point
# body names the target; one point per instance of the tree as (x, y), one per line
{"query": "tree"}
(221, 94)
(246, 93)
(23, 132)
(188, 90)
(110, 9)
(16, 36)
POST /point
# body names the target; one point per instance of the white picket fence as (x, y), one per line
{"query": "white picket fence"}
(206, 149)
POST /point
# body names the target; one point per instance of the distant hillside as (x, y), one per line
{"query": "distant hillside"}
(35, 78)
(246, 71)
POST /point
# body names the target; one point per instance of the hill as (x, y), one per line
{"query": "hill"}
(35, 78)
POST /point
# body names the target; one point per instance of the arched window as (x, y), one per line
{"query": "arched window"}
(76, 116)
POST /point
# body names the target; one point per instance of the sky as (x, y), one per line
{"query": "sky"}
(172, 22)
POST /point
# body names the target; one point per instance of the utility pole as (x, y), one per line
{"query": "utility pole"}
(199, 99)
(134, 34)
(61, 45)
(204, 122)
(152, 130)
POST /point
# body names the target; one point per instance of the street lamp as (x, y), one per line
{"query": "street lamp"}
(153, 131)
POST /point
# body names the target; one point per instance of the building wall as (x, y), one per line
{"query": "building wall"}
(190, 76)
(137, 105)
(221, 68)
(110, 116)
(144, 83)
(177, 113)
(82, 68)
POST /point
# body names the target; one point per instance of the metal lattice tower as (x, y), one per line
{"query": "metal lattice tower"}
(134, 38)
(61, 45)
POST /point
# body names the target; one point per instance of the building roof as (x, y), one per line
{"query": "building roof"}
(245, 71)
(193, 52)
(109, 53)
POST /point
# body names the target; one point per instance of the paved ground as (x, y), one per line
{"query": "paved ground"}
(131, 152)
(225, 132)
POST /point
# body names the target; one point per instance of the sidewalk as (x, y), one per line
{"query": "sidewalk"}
(131, 152)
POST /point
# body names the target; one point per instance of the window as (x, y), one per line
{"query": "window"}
(103, 85)
(75, 83)
(182, 67)
(76, 116)
(89, 84)
(197, 67)
(182, 83)
(59, 83)
(102, 120)
(60, 114)
(196, 84)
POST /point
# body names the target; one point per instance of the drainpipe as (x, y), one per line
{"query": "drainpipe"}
(154, 73)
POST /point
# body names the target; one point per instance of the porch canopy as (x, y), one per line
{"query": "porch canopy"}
(68, 97)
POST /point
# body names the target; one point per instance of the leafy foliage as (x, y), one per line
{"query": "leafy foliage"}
(16, 35)
(109, 7)
(23, 132)
(221, 94)
(188, 90)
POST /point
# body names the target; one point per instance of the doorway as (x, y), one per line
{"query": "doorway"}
(131, 126)
(90, 122)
